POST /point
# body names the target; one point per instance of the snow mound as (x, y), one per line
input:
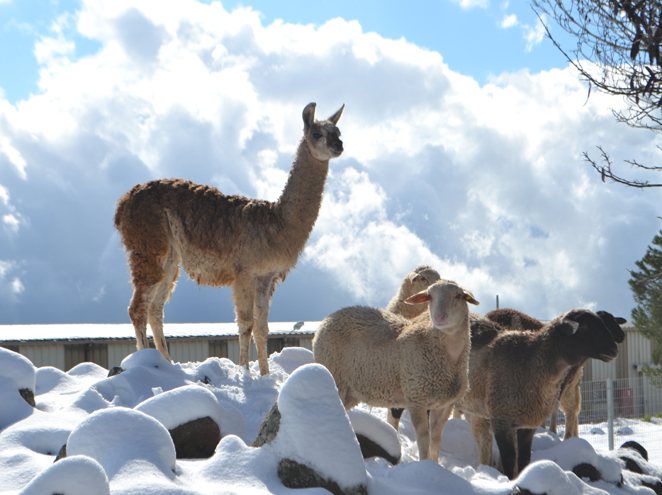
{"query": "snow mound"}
(376, 430)
(181, 405)
(547, 477)
(17, 369)
(291, 358)
(76, 475)
(147, 358)
(115, 436)
(314, 424)
(575, 451)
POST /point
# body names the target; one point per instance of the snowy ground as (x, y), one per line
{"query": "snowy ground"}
(116, 432)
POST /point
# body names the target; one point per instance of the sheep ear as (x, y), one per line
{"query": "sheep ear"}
(336, 116)
(309, 115)
(418, 298)
(569, 327)
(469, 297)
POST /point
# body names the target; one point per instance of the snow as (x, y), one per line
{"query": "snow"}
(116, 434)
(313, 417)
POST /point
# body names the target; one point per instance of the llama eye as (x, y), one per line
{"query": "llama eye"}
(317, 135)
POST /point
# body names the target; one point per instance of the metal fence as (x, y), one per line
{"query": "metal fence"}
(615, 411)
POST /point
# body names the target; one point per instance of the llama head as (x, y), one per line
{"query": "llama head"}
(322, 137)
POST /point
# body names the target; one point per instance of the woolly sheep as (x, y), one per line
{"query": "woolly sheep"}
(515, 378)
(570, 396)
(383, 359)
(415, 281)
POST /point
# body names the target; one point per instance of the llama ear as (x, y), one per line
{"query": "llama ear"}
(418, 298)
(309, 115)
(336, 116)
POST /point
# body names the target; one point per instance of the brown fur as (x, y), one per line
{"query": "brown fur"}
(415, 281)
(249, 244)
(515, 380)
(570, 396)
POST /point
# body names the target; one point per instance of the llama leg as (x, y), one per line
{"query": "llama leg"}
(146, 273)
(420, 420)
(263, 291)
(161, 295)
(138, 314)
(244, 294)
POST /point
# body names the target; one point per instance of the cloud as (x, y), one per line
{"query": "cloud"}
(533, 35)
(508, 21)
(485, 183)
(470, 4)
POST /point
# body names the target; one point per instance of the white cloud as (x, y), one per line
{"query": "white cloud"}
(486, 183)
(533, 35)
(470, 4)
(508, 21)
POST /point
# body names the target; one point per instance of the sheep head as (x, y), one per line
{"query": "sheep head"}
(447, 304)
(322, 137)
(585, 334)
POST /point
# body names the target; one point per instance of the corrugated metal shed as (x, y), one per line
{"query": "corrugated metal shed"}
(65, 345)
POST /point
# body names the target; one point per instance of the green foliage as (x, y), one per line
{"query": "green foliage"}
(646, 285)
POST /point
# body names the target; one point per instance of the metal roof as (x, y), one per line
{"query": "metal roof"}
(120, 331)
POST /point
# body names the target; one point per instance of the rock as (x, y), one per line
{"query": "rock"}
(296, 475)
(631, 444)
(587, 471)
(196, 439)
(115, 370)
(28, 395)
(269, 427)
(370, 448)
(62, 453)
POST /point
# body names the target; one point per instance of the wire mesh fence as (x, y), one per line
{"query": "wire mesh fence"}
(631, 410)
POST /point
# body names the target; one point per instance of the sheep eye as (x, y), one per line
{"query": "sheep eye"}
(317, 135)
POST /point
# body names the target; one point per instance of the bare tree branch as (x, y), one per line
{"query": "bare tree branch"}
(618, 51)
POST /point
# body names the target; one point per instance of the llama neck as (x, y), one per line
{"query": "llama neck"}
(300, 201)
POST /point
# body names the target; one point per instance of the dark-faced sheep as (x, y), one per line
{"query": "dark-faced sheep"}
(570, 397)
(246, 243)
(515, 379)
(385, 360)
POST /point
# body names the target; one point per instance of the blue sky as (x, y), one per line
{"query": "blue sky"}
(463, 128)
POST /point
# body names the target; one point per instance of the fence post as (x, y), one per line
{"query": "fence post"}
(610, 412)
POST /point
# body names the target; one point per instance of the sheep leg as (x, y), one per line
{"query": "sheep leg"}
(524, 441)
(393, 417)
(420, 420)
(506, 439)
(483, 435)
(553, 421)
(438, 419)
(263, 290)
(243, 293)
(571, 404)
